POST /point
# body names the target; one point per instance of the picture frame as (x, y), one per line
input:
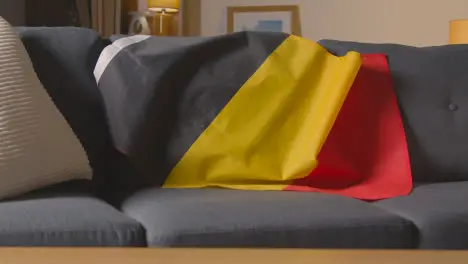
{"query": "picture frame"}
(280, 18)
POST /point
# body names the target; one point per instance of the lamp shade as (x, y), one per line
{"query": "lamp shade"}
(169, 6)
(459, 31)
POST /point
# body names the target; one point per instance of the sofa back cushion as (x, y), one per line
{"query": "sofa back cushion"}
(64, 59)
(37, 146)
(431, 84)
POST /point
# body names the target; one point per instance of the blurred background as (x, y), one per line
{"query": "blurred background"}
(162, 17)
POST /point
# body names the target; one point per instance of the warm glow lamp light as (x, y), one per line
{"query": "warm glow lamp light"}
(163, 7)
(458, 31)
(166, 6)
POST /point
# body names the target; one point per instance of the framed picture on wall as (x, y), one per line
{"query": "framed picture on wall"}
(264, 18)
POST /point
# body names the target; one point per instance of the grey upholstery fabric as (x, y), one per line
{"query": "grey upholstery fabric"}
(64, 59)
(440, 212)
(431, 85)
(229, 218)
(66, 215)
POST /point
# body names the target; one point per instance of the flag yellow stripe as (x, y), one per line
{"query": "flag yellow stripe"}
(272, 130)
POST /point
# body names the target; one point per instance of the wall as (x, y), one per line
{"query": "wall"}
(13, 11)
(412, 22)
(142, 5)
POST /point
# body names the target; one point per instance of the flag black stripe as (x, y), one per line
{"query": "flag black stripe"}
(163, 93)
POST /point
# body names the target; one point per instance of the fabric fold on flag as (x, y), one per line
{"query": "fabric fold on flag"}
(273, 128)
(250, 111)
(366, 154)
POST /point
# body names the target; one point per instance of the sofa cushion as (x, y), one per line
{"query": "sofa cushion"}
(66, 215)
(439, 211)
(64, 60)
(32, 130)
(230, 218)
(431, 87)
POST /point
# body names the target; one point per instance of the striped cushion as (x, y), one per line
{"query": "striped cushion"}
(37, 146)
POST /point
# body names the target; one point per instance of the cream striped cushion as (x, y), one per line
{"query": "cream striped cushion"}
(37, 146)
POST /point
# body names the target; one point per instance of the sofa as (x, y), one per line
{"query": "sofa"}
(116, 208)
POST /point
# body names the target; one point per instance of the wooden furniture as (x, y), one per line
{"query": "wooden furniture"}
(224, 256)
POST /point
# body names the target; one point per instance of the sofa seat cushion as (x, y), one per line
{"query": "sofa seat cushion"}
(66, 215)
(439, 211)
(231, 218)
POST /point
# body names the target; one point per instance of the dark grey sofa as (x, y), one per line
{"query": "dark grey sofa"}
(117, 209)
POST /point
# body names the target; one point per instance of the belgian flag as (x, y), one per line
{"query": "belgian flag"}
(249, 110)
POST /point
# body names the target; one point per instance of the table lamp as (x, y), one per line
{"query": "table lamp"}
(458, 31)
(163, 7)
